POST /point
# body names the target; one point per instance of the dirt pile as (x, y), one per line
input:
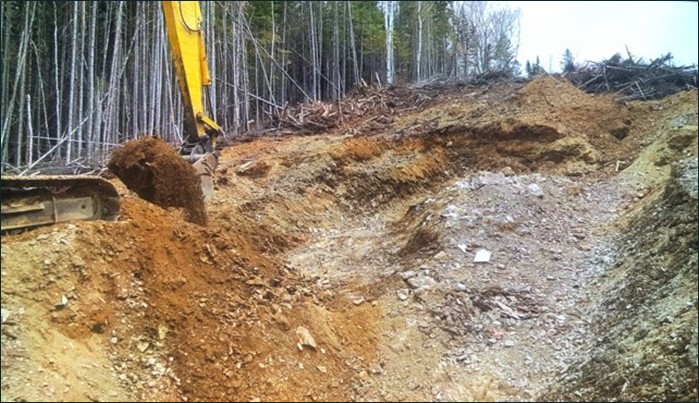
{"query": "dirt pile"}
(154, 170)
(547, 125)
(165, 310)
(558, 104)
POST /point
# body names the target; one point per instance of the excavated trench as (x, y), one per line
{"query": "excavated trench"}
(397, 224)
(411, 249)
(400, 229)
(342, 268)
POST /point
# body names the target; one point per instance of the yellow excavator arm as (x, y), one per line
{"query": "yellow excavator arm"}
(183, 22)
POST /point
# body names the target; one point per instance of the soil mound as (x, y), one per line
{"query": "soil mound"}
(547, 125)
(555, 103)
(151, 308)
(154, 170)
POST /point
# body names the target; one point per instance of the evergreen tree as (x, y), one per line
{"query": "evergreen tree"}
(534, 69)
(568, 62)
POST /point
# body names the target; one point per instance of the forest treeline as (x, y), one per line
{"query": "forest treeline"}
(80, 78)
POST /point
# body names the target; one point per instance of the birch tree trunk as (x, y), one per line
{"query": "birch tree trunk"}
(355, 64)
(110, 127)
(30, 137)
(20, 119)
(314, 54)
(80, 134)
(389, 9)
(71, 83)
(90, 124)
(337, 60)
(272, 55)
(283, 62)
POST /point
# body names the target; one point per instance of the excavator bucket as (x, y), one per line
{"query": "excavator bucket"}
(43, 200)
(205, 166)
(157, 173)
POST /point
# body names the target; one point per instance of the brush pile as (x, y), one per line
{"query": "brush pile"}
(362, 110)
(634, 79)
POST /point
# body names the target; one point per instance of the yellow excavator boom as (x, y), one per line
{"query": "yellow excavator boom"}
(183, 22)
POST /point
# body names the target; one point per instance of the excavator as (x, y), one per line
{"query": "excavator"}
(30, 201)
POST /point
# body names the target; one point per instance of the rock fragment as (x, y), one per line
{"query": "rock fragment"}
(305, 337)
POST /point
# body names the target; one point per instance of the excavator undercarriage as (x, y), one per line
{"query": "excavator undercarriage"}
(42, 200)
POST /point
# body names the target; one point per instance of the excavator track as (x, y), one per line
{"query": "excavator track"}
(31, 201)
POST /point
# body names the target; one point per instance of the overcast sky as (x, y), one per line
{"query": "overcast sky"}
(596, 30)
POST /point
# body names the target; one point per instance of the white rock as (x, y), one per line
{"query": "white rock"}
(440, 256)
(306, 338)
(479, 182)
(5, 315)
(162, 331)
(482, 256)
(450, 212)
(421, 282)
(460, 287)
(421, 291)
(535, 190)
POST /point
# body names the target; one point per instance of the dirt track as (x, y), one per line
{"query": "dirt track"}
(367, 244)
